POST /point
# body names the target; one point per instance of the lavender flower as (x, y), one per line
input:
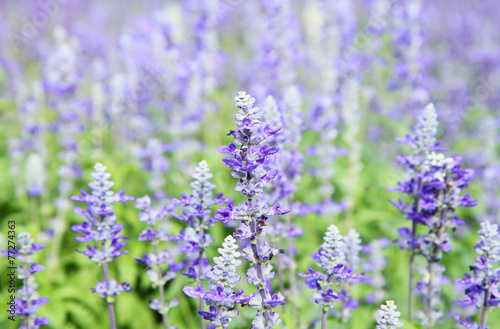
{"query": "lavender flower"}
(160, 263)
(388, 316)
(198, 217)
(101, 227)
(154, 161)
(434, 185)
(289, 165)
(331, 259)
(248, 156)
(223, 278)
(481, 288)
(28, 301)
(374, 266)
(429, 290)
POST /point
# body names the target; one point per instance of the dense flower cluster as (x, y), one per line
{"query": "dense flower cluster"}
(388, 316)
(481, 287)
(331, 259)
(29, 301)
(221, 295)
(248, 157)
(101, 226)
(434, 185)
(198, 216)
(161, 265)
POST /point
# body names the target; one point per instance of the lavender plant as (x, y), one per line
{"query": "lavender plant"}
(388, 317)
(221, 296)
(289, 166)
(481, 287)
(154, 161)
(247, 157)
(198, 216)
(435, 185)
(102, 228)
(161, 265)
(422, 142)
(29, 301)
(331, 259)
(374, 267)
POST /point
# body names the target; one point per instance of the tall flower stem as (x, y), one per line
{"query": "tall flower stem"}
(111, 308)
(323, 318)
(411, 274)
(258, 264)
(482, 324)
(161, 289)
(201, 304)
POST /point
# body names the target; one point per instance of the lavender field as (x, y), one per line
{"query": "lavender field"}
(260, 164)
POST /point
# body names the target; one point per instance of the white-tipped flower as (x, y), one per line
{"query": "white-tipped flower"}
(388, 316)
(331, 252)
(426, 130)
(224, 272)
(488, 245)
(352, 248)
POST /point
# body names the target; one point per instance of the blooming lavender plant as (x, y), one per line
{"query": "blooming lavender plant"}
(374, 266)
(331, 259)
(101, 227)
(435, 184)
(289, 166)
(248, 156)
(388, 316)
(161, 265)
(198, 216)
(481, 288)
(422, 142)
(29, 301)
(221, 296)
(154, 161)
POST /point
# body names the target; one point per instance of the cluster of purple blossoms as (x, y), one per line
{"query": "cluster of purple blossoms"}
(283, 186)
(481, 287)
(221, 296)
(331, 259)
(161, 265)
(101, 227)
(198, 216)
(28, 301)
(434, 185)
(249, 155)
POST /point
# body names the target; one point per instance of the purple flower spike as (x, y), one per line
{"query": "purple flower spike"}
(28, 301)
(220, 295)
(435, 183)
(334, 258)
(161, 265)
(102, 228)
(481, 287)
(251, 166)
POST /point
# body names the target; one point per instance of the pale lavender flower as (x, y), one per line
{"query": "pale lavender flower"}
(28, 301)
(101, 227)
(248, 157)
(198, 216)
(481, 287)
(331, 259)
(374, 267)
(388, 317)
(161, 265)
(153, 160)
(221, 296)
